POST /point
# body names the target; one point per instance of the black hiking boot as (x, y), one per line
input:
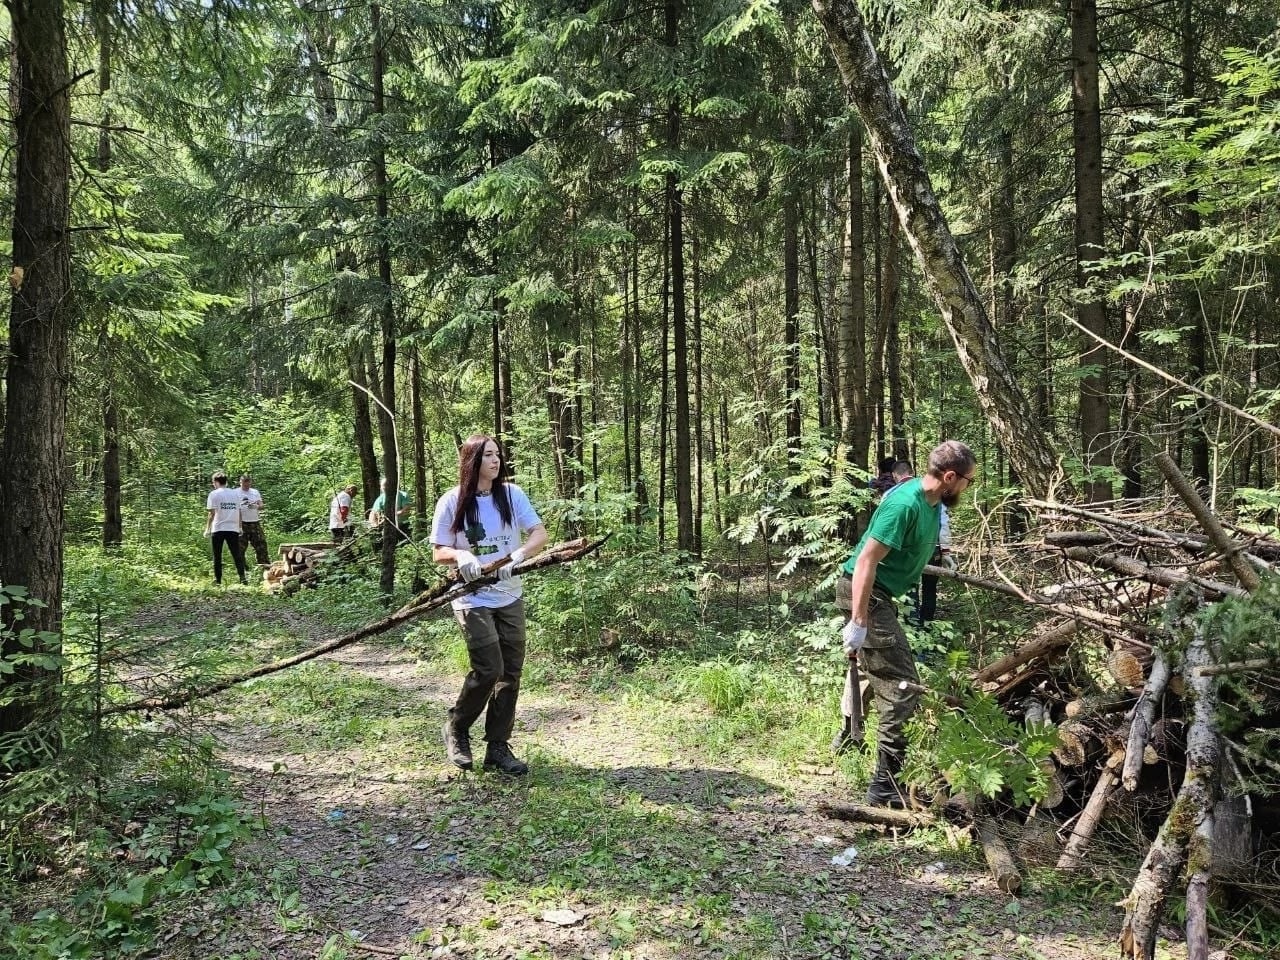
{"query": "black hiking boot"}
(842, 743)
(884, 790)
(499, 757)
(457, 745)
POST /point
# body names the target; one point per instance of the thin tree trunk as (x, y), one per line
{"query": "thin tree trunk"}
(422, 520)
(1192, 308)
(112, 514)
(641, 487)
(791, 295)
(666, 376)
(624, 365)
(679, 320)
(698, 388)
(31, 464)
(892, 337)
(386, 418)
(855, 418)
(507, 437)
(1130, 448)
(357, 371)
(1002, 400)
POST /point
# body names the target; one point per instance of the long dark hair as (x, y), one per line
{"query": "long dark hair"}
(470, 456)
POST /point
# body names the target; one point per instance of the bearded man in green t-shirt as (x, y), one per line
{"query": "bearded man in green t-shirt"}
(886, 564)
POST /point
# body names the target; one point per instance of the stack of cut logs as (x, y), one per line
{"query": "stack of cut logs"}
(1136, 713)
(296, 566)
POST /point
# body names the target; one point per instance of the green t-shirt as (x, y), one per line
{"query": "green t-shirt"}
(907, 524)
(402, 500)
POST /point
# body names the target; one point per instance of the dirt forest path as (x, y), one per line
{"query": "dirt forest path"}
(623, 844)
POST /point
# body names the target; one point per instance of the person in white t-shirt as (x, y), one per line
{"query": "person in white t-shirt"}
(340, 514)
(479, 522)
(251, 521)
(223, 525)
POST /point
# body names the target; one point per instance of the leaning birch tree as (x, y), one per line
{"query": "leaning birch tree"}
(902, 169)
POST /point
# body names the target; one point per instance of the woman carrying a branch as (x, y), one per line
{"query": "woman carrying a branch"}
(477, 524)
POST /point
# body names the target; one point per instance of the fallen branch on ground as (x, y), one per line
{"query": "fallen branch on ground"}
(432, 599)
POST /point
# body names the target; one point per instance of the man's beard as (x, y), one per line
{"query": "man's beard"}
(950, 499)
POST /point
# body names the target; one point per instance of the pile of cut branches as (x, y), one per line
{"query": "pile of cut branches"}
(1158, 669)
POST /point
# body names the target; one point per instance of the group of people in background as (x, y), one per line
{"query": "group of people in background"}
(234, 520)
(342, 523)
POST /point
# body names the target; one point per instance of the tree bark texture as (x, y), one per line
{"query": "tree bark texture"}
(31, 468)
(1184, 838)
(1143, 717)
(1002, 400)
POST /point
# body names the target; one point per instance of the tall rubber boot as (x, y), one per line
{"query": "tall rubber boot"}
(884, 790)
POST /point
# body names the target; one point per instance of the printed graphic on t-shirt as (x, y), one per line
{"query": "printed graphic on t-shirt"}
(475, 536)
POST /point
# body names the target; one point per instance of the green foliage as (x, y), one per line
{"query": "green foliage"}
(298, 457)
(641, 596)
(980, 750)
(723, 685)
(168, 854)
(30, 664)
(805, 509)
(1244, 630)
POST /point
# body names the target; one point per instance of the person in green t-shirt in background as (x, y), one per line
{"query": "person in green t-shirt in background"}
(886, 564)
(400, 522)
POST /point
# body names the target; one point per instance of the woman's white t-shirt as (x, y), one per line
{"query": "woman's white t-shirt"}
(490, 539)
(225, 504)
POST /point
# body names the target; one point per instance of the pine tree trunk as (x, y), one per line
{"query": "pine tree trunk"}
(1002, 400)
(1094, 407)
(664, 401)
(624, 366)
(637, 395)
(31, 467)
(890, 330)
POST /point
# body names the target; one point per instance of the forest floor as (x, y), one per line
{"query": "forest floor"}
(630, 839)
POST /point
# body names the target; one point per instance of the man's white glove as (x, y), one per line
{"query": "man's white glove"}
(948, 562)
(854, 635)
(468, 565)
(507, 570)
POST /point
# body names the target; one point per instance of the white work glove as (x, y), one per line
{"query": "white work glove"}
(468, 565)
(854, 635)
(507, 570)
(948, 562)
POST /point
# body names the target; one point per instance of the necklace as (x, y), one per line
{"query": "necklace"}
(484, 493)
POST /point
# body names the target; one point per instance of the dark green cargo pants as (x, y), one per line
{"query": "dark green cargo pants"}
(495, 643)
(887, 660)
